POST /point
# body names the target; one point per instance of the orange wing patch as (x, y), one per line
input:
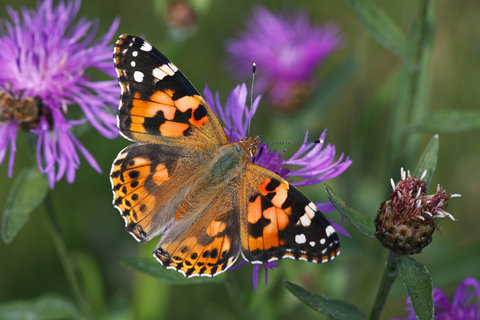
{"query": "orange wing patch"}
(172, 118)
(207, 253)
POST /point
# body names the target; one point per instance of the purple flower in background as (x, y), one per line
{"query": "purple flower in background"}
(312, 163)
(287, 50)
(465, 304)
(44, 58)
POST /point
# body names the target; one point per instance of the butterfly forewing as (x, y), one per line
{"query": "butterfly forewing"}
(158, 104)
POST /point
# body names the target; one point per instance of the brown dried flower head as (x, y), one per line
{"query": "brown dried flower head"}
(405, 222)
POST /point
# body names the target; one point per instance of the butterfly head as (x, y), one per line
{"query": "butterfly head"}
(250, 145)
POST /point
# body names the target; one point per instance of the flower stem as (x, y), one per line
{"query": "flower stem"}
(64, 256)
(388, 278)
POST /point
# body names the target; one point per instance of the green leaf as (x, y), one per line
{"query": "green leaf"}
(151, 267)
(337, 309)
(361, 221)
(428, 160)
(382, 28)
(27, 192)
(48, 307)
(92, 281)
(450, 121)
(418, 284)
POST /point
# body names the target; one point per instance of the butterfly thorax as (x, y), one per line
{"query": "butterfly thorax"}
(220, 171)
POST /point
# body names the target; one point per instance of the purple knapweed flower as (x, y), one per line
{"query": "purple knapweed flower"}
(287, 50)
(312, 163)
(44, 59)
(465, 304)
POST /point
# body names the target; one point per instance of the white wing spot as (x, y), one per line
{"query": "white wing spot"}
(133, 64)
(322, 241)
(135, 53)
(310, 209)
(146, 47)
(160, 72)
(305, 220)
(300, 238)
(164, 70)
(173, 67)
(138, 76)
(329, 230)
(312, 243)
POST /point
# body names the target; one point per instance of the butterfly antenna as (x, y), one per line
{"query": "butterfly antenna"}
(254, 68)
(294, 142)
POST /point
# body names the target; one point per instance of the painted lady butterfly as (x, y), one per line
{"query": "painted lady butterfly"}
(185, 181)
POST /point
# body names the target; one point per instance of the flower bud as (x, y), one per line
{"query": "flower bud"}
(405, 222)
(181, 18)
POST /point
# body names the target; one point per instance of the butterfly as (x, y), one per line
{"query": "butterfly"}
(184, 180)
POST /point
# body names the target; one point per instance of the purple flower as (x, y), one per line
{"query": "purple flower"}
(287, 50)
(311, 164)
(256, 270)
(44, 57)
(465, 304)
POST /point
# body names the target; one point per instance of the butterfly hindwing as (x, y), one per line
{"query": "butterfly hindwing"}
(204, 244)
(278, 221)
(148, 182)
(158, 103)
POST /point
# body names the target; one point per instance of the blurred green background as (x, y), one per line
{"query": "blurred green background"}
(355, 107)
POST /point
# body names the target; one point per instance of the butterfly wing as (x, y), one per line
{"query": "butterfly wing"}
(207, 243)
(278, 221)
(158, 103)
(148, 182)
(176, 129)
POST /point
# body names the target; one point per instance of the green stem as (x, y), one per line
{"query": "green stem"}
(412, 95)
(389, 275)
(421, 77)
(64, 256)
